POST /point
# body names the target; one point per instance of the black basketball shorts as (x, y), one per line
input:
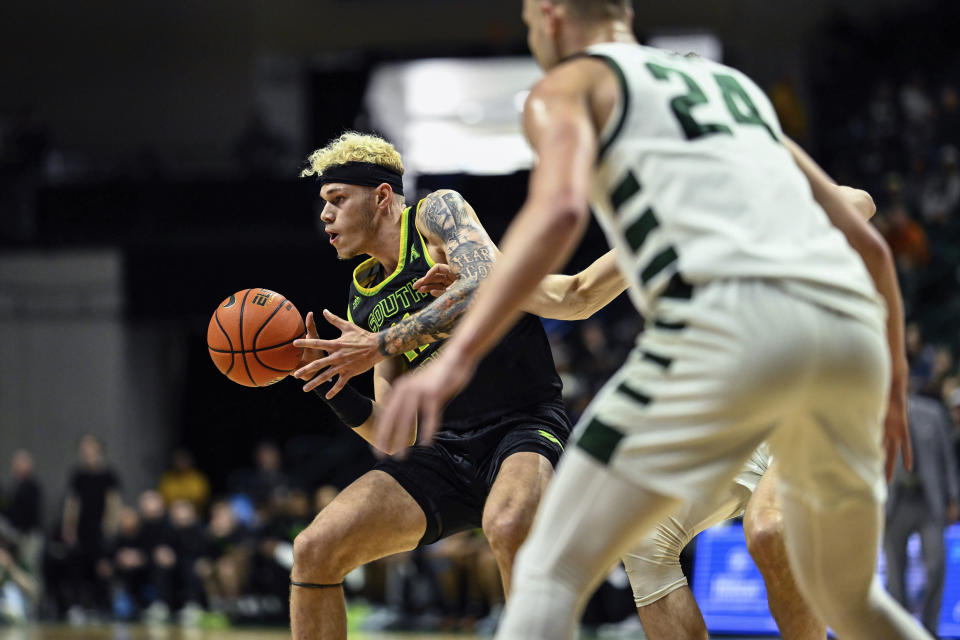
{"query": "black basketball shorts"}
(450, 479)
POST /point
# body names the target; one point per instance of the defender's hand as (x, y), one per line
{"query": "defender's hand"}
(424, 393)
(896, 434)
(437, 280)
(354, 352)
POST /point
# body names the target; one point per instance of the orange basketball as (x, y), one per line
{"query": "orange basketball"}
(250, 337)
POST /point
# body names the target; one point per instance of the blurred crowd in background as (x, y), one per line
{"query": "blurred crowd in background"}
(181, 555)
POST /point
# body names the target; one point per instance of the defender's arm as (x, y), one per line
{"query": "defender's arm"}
(858, 199)
(579, 296)
(876, 255)
(558, 296)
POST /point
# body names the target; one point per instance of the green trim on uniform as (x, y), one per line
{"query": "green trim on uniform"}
(638, 231)
(660, 262)
(660, 360)
(599, 440)
(625, 92)
(627, 188)
(366, 264)
(670, 326)
(678, 288)
(641, 398)
(552, 438)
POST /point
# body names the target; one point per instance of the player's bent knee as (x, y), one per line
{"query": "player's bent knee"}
(506, 531)
(319, 555)
(654, 573)
(764, 536)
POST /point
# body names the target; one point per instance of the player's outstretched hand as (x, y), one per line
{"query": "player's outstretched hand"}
(436, 281)
(422, 393)
(354, 352)
(896, 434)
(309, 355)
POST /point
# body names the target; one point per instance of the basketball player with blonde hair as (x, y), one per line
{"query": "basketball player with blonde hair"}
(769, 292)
(491, 460)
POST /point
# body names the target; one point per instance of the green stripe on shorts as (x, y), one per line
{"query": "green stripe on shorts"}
(552, 438)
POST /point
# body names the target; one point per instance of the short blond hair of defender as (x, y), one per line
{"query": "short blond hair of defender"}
(353, 147)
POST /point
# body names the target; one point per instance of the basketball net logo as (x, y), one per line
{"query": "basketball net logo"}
(262, 298)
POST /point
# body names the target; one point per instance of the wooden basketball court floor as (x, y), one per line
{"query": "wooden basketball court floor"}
(140, 632)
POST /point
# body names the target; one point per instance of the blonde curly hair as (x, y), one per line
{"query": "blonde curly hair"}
(353, 147)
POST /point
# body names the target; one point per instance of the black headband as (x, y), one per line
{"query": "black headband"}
(364, 174)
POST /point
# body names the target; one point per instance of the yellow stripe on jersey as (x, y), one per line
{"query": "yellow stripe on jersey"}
(367, 264)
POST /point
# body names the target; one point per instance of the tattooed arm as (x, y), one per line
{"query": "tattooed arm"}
(449, 223)
(455, 236)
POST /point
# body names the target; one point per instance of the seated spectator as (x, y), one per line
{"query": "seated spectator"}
(189, 546)
(941, 190)
(268, 476)
(907, 239)
(225, 562)
(23, 512)
(24, 498)
(184, 482)
(942, 368)
(156, 541)
(131, 567)
(18, 589)
(920, 356)
(948, 121)
(468, 578)
(287, 515)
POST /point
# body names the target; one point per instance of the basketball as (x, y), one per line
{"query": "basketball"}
(250, 337)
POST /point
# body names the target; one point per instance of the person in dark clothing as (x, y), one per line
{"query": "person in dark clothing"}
(130, 559)
(90, 514)
(24, 497)
(225, 562)
(288, 514)
(269, 476)
(156, 537)
(924, 500)
(189, 544)
(265, 479)
(23, 511)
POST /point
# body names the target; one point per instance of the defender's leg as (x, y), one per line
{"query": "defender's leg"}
(763, 530)
(664, 602)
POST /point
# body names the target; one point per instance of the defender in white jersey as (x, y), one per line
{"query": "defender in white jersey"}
(664, 602)
(766, 325)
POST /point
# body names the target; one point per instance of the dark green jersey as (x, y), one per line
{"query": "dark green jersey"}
(517, 372)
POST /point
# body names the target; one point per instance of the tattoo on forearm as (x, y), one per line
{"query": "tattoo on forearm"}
(473, 261)
(444, 214)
